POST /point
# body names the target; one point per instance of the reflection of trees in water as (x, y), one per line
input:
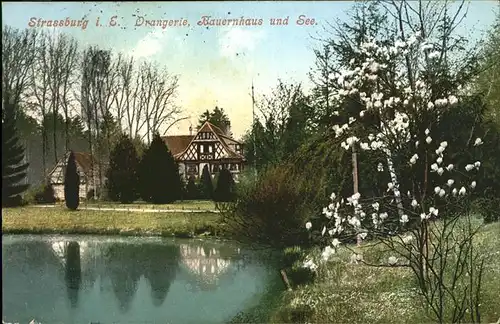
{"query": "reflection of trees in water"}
(160, 264)
(73, 276)
(127, 262)
(208, 263)
(124, 271)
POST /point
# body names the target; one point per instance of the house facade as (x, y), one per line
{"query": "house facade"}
(209, 146)
(87, 169)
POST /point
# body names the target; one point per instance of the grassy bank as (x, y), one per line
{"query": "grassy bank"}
(63, 221)
(354, 293)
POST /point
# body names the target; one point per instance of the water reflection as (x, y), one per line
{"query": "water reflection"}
(205, 263)
(73, 272)
(161, 264)
(146, 280)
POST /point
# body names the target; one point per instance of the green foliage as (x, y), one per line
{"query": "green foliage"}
(192, 191)
(13, 166)
(284, 125)
(206, 184)
(159, 179)
(225, 186)
(216, 117)
(45, 194)
(122, 179)
(271, 210)
(71, 183)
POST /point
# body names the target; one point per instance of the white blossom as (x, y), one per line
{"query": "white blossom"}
(404, 219)
(477, 164)
(380, 167)
(327, 253)
(450, 182)
(434, 55)
(407, 239)
(440, 171)
(414, 203)
(469, 167)
(437, 190)
(428, 140)
(449, 167)
(473, 184)
(308, 225)
(462, 191)
(335, 242)
(453, 100)
(310, 265)
(392, 260)
(439, 160)
(478, 142)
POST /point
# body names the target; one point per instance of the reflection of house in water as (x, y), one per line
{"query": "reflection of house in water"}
(206, 265)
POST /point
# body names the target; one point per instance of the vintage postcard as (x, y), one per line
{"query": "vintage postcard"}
(251, 162)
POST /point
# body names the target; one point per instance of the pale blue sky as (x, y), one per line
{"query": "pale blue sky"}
(205, 59)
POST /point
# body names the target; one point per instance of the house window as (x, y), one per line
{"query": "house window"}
(237, 167)
(201, 148)
(210, 149)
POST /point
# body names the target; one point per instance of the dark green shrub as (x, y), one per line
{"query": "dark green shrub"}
(191, 189)
(206, 184)
(272, 209)
(225, 186)
(159, 179)
(45, 194)
(122, 184)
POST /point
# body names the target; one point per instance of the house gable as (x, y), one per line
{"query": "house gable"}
(201, 147)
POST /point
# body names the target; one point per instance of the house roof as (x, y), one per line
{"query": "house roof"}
(82, 159)
(178, 143)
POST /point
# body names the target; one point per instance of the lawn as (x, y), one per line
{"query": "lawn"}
(355, 293)
(178, 205)
(62, 220)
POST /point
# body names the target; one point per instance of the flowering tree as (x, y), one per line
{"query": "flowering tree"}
(400, 103)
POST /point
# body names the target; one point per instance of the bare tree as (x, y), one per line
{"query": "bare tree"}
(144, 100)
(40, 91)
(17, 58)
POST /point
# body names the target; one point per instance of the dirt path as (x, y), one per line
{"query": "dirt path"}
(140, 210)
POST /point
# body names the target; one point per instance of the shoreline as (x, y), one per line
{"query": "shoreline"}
(59, 220)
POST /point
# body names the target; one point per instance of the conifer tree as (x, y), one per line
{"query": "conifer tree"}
(71, 183)
(192, 189)
(206, 184)
(225, 186)
(122, 173)
(159, 180)
(13, 166)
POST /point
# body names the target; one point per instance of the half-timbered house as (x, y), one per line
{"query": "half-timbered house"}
(209, 146)
(87, 169)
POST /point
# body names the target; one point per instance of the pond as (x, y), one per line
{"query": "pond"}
(90, 279)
